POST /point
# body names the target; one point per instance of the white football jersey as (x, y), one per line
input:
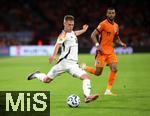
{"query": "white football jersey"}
(69, 46)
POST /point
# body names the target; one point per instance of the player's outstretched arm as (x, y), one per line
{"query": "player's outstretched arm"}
(120, 42)
(53, 57)
(79, 32)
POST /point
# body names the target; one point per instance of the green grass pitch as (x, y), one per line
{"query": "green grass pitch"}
(132, 85)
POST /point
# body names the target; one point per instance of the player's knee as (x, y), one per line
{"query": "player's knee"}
(114, 69)
(47, 80)
(98, 73)
(85, 76)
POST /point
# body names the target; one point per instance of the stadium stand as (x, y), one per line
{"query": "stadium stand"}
(38, 20)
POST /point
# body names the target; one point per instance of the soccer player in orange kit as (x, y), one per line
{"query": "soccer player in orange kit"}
(107, 30)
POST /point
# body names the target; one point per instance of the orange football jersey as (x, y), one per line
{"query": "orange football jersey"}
(107, 31)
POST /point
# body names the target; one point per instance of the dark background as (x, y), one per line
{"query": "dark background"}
(32, 22)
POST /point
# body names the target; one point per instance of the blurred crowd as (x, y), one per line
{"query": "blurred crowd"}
(44, 19)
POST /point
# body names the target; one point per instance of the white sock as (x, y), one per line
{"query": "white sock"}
(86, 87)
(40, 76)
(108, 90)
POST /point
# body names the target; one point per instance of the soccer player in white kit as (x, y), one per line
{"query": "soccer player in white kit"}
(67, 62)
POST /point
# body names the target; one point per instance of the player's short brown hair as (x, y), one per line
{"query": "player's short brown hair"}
(68, 18)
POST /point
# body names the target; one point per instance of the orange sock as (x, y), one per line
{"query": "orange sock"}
(90, 70)
(111, 79)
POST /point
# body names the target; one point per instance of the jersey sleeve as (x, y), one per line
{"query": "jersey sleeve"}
(100, 27)
(61, 38)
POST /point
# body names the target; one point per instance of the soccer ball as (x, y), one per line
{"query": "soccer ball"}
(73, 101)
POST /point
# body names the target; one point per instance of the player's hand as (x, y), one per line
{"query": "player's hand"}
(51, 59)
(85, 27)
(123, 45)
(100, 49)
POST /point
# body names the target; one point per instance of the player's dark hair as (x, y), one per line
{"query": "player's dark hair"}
(110, 8)
(68, 18)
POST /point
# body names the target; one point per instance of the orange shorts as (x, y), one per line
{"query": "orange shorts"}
(108, 58)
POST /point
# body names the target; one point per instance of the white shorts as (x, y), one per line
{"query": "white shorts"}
(66, 66)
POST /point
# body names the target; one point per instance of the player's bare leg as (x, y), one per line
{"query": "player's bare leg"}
(87, 89)
(41, 76)
(97, 71)
(111, 79)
